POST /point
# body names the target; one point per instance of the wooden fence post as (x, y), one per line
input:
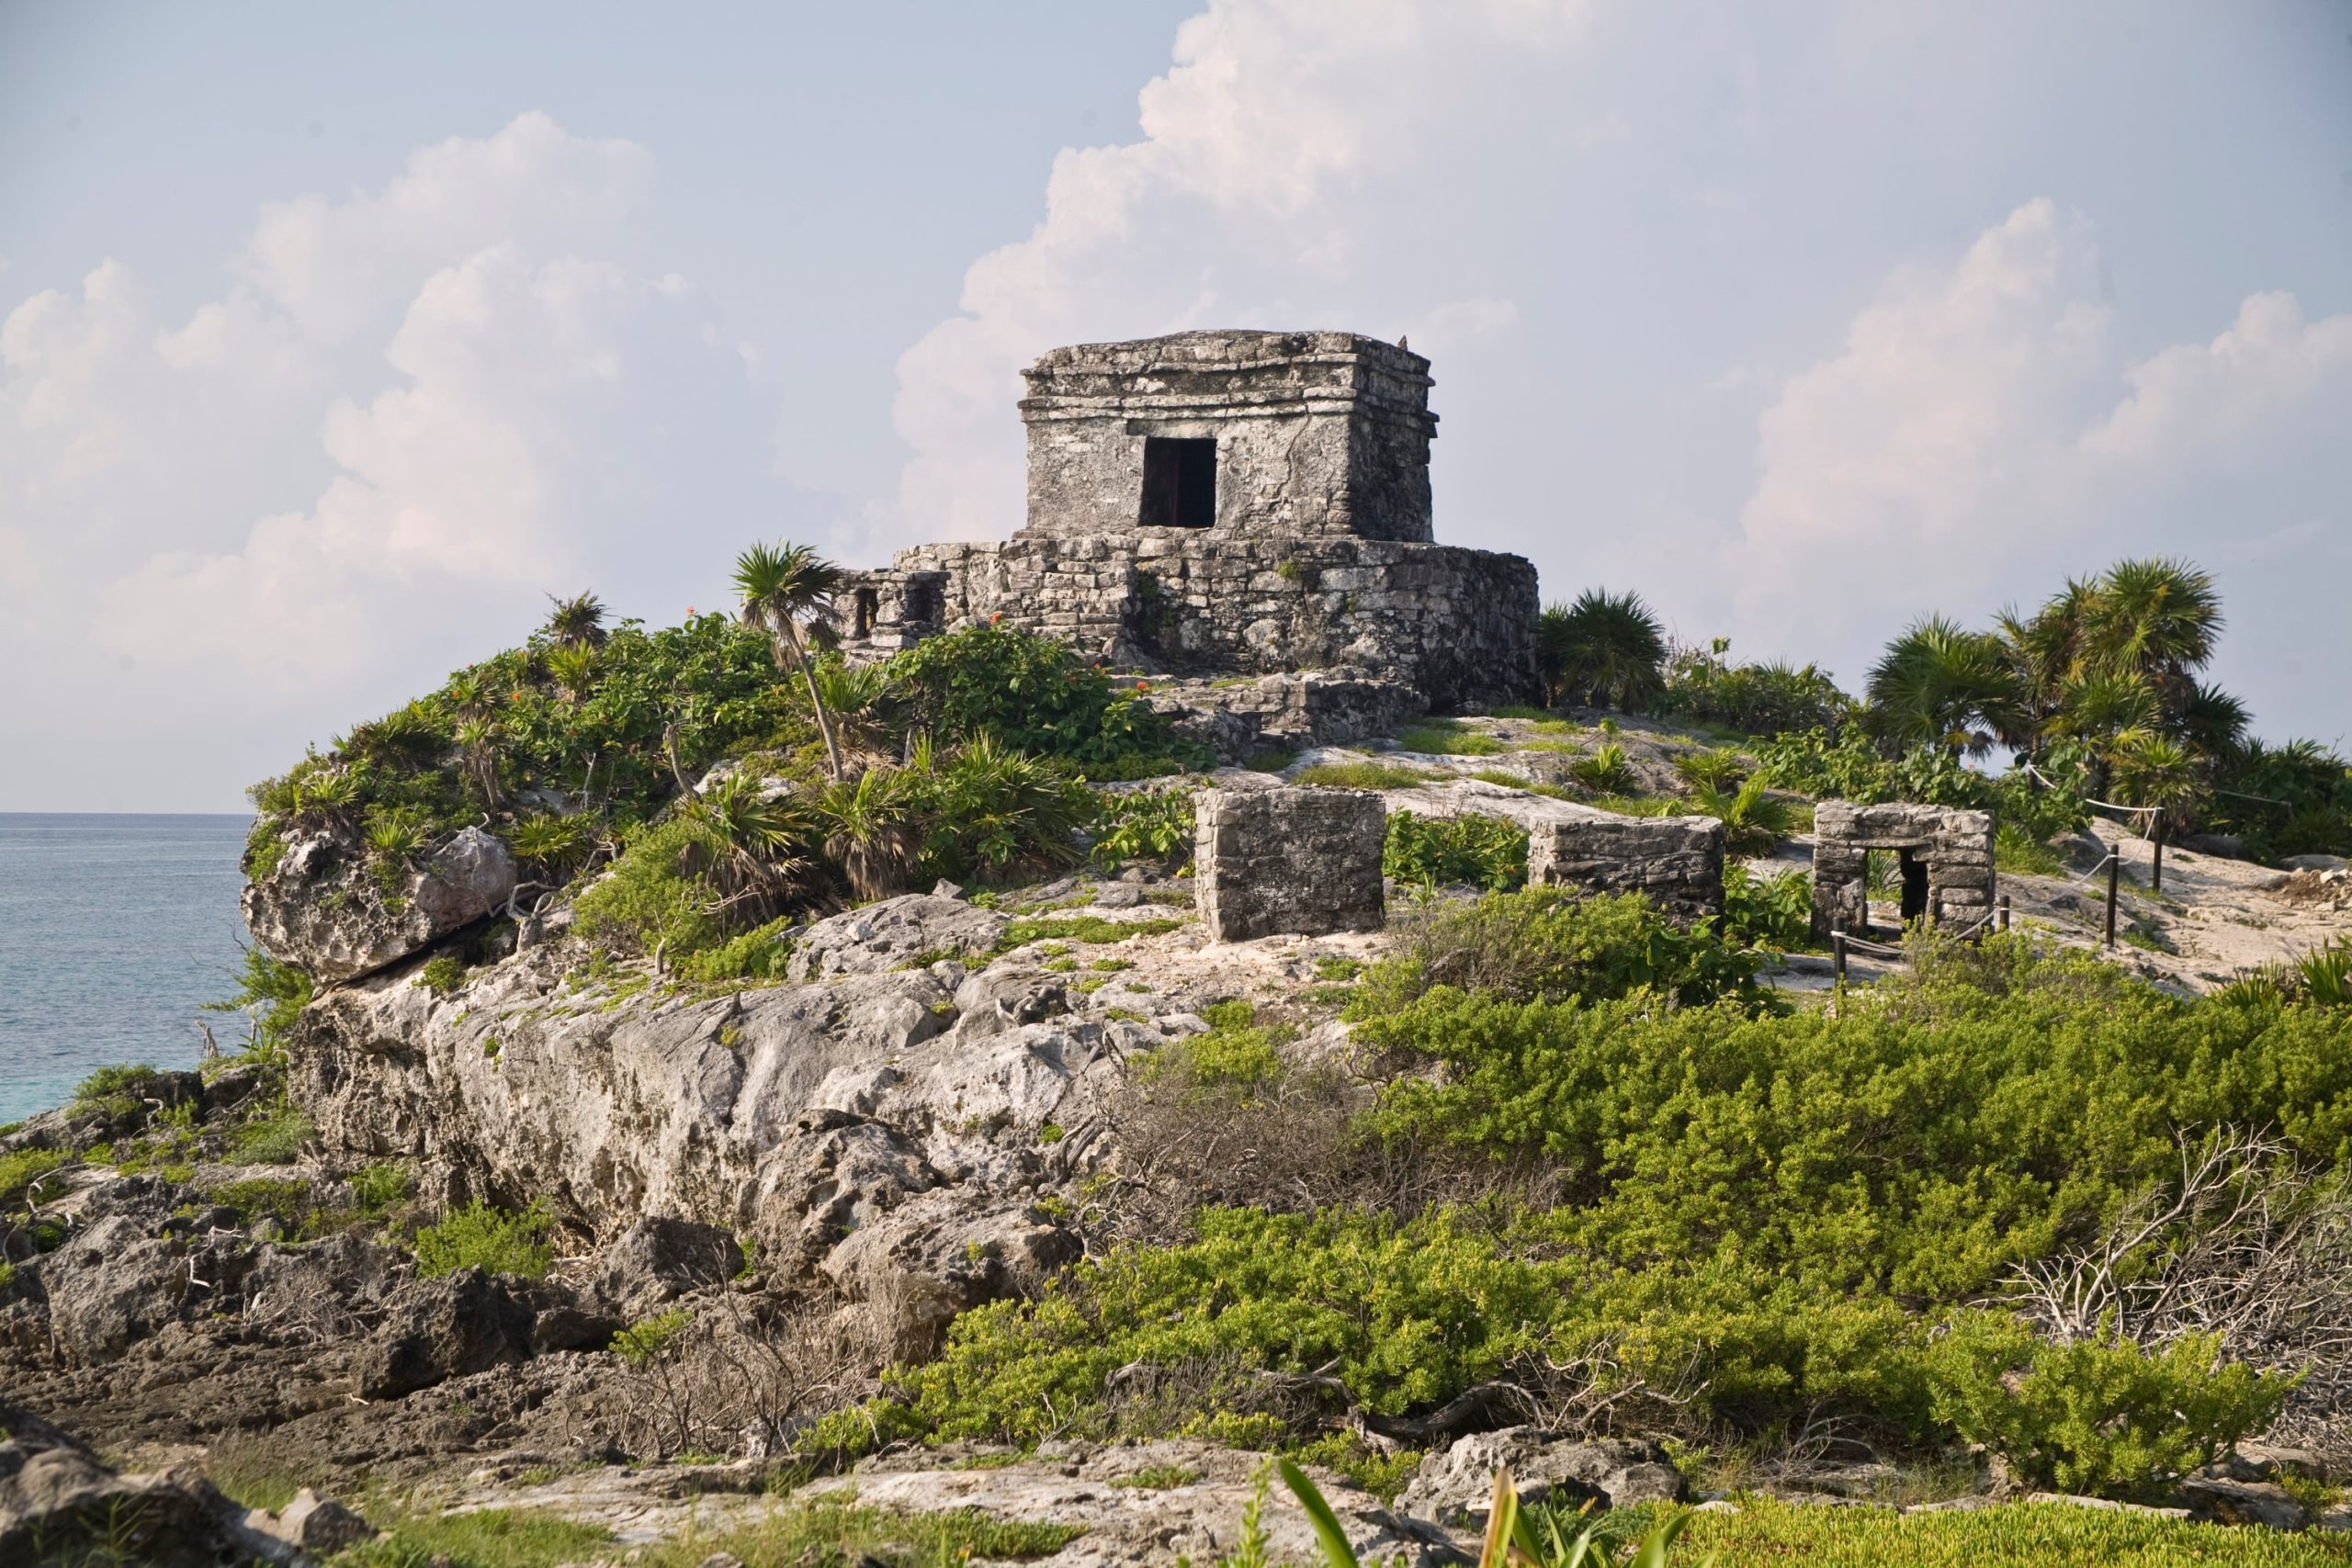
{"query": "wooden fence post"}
(2114, 887)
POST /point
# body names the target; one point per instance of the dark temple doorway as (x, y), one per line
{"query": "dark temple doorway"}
(1179, 482)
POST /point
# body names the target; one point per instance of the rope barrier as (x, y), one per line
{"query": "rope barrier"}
(1865, 945)
(2102, 805)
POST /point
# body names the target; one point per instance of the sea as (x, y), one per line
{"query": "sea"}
(115, 931)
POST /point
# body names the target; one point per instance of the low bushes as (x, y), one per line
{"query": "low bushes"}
(481, 1236)
(1483, 852)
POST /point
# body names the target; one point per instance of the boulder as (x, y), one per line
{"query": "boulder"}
(59, 1504)
(659, 1259)
(320, 909)
(110, 1286)
(2315, 863)
(2211, 1496)
(1454, 1487)
(318, 1526)
(892, 934)
(438, 1329)
(2223, 846)
(933, 1256)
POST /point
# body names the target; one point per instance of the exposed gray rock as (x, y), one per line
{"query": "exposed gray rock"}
(891, 933)
(1288, 711)
(1456, 1486)
(111, 1285)
(2231, 1502)
(320, 909)
(1199, 1519)
(438, 1329)
(2225, 846)
(1302, 861)
(933, 1257)
(660, 1257)
(2315, 863)
(318, 1526)
(58, 1506)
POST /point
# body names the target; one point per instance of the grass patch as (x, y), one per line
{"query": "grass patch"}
(2016, 1535)
(832, 1531)
(1158, 1478)
(491, 1239)
(1362, 775)
(1447, 738)
(250, 1474)
(274, 1139)
(492, 1538)
(1637, 805)
(1531, 786)
(1080, 928)
(2017, 853)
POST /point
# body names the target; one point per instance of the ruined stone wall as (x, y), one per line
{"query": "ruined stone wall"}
(1299, 861)
(1317, 433)
(1952, 847)
(1457, 624)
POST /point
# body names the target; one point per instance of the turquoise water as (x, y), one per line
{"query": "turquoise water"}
(112, 931)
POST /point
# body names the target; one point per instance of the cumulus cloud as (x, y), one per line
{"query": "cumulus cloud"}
(1979, 434)
(414, 412)
(1277, 155)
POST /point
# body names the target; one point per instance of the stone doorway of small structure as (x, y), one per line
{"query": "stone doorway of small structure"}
(1910, 882)
(1179, 482)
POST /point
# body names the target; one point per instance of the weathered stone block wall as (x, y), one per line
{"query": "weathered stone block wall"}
(1456, 624)
(1298, 861)
(1288, 712)
(1317, 433)
(1951, 848)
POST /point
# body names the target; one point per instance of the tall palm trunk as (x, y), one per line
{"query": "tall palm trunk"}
(808, 678)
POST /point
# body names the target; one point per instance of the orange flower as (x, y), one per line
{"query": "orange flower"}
(1143, 685)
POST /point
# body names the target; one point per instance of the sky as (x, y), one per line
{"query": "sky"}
(334, 339)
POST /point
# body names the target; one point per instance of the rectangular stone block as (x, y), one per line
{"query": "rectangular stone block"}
(1301, 862)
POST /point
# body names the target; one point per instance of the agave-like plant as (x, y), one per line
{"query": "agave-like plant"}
(478, 751)
(1607, 770)
(572, 667)
(553, 844)
(1754, 819)
(871, 829)
(1605, 649)
(750, 846)
(2324, 975)
(1718, 768)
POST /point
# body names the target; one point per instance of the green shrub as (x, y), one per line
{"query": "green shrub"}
(442, 975)
(1033, 694)
(289, 1203)
(650, 1338)
(650, 899)
(481, 1236)
(1755, 820)
(1607, 770)
(1762, 700)
(1485, 852)
(274, 1137)
(272, 996)
(1147, 825)
(20, 1170)
(1555, 944)
(1090, 928)
(2099, 1415)
(760, 953)
(1767, 911)
(380, 1187)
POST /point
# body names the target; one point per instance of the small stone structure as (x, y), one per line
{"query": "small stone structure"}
(1944, 854)
(1304, 861)
(1229, 504)
(1676, 860)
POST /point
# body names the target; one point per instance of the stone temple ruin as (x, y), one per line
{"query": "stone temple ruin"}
(1217, 505)
(1943, 859)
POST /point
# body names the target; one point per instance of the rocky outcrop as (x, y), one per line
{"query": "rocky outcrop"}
(438, 1329)
(659, 1258)
(883, 1126)
(1456, 1486)
(321, 908)
(59, 1504)
(112, 1285)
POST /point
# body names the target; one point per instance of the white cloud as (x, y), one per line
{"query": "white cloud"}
(1979, 434)
(416, 412)
(1276, 152)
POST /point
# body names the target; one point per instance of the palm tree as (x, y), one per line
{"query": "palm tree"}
(1606, 648)
(576, 622)
(749, 845)
(788, 594)
(2159, 774)
(2159, 618)
(1939, 685)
